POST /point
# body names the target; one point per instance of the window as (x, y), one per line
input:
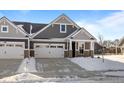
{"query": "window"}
(76, 45)
(87, 45)
(59, 46)
(63, 28)
(1, 45)
(18, 45)
(10, 45)
(81, 49)
(4, 29)
(37, 46)
(52, 46)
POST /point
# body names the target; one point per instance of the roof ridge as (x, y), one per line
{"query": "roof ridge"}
(29, 22)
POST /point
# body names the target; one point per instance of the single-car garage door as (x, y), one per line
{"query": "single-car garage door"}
(49, 50)
(12, 50)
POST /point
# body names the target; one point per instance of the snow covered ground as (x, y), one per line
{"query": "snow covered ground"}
(21, 77)
(119, 58)
(113, 65)
(96, 64)
(94, 70)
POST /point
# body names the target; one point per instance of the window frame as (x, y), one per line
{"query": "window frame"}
(61, 28)
(89, 46)
(3, 27)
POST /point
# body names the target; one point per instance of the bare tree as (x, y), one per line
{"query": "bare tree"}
(101, 40)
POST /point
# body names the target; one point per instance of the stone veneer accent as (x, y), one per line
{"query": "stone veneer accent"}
(89, 53)
(66, 53)
(26, 53)
(76, 53)
(70, 53)
(32, 53)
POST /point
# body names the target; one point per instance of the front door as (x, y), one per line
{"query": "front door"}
(73, 49)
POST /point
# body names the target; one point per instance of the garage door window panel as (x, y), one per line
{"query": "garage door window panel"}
(59, 46)
(18, 45)
(10, 45)
(52, 46)
(2, 45)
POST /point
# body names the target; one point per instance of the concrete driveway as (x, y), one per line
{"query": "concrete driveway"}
(9, 67)
(59, 67)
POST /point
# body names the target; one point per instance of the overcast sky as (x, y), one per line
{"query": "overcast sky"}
(108, 23)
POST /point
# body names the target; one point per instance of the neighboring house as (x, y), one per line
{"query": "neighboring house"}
(58, 39)
(97, 48)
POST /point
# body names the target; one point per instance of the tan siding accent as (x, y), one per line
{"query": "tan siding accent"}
(12, 32)
(63, 20)
(82, 36)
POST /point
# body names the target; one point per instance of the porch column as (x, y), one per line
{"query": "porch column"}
(70, 48)
(92, 49)
(92, 45)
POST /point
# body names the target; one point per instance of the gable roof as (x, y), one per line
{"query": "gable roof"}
(86, 34)
(26, 26)
(63, 15)
(11, 23)
(67, 18)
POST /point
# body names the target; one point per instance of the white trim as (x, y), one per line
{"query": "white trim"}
(85, 31)
(63, 23)
(70, 45)
(67, 18)
(6, 27)
(53, 23)
(72, 33)
(16, 27)
(12, 38)
(40, 31)
(53, 40)
(83, 40)
(61, 28)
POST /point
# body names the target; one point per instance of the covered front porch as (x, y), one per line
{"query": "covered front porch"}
(77, 48)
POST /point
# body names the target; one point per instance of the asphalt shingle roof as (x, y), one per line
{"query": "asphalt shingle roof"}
(26, 26)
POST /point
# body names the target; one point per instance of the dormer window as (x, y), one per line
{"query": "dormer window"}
(4, 29)
(62, 28)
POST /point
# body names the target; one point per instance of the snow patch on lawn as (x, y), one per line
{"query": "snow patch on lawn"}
(119, 58)
(21, 77)
(115, 73)
(96, 64)
(27, 65)
(28, 77)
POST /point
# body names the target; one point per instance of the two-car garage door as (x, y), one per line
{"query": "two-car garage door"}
(12, 50)
(49, 50)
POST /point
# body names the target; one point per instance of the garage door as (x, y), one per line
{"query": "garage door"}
(12, 50)
(49, 50)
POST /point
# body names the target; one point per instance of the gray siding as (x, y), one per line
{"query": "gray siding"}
(54, 32)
